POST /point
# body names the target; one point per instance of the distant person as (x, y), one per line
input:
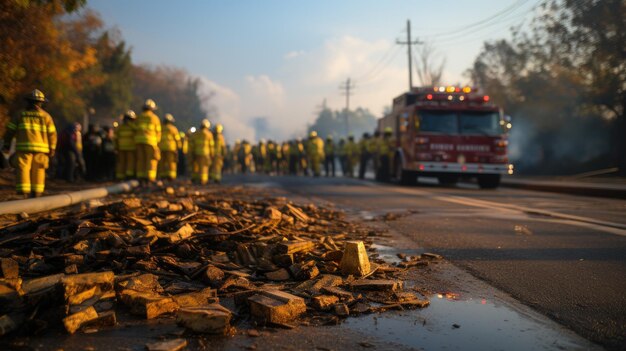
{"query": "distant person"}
(92, 152)
(169, 145)
(70, 153)
(219, 154)
(315, 153)
(329, 160)
(36, 141)
(147, 138)
(125, 147)
(201, 148)
(108, 154)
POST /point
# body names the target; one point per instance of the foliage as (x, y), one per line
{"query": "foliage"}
(333, 123)
(564, 85)
(33, 52)
(174, 91)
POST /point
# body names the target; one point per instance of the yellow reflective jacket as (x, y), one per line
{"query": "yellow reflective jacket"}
(34, 131)
(329, 147)
(201, 143)
(125, 137)
(220, 145)
(170, 140)
(184, 141)
(387, 147)
(315, 147)
(147, 129)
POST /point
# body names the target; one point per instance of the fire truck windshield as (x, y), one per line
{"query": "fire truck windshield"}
(466, 123)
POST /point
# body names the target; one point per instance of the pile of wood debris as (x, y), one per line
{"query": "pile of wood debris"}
(211, 260)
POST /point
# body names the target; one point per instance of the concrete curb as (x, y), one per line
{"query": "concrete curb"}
(52, 202)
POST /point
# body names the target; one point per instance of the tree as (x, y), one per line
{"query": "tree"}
(332, 123)
(174, 91)
(429, 65)
(564, 81)
(33, 53)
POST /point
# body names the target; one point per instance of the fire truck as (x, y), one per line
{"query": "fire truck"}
(448, 133)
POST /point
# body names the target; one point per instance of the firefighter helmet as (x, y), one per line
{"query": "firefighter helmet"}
(149, 104)
(329, 137)
(130, 114)
(168, 118)
(388, 130)
(36, 95)
(205, 124)
(219, 128)
(313, 134)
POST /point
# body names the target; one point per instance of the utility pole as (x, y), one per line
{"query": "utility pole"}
(346, 87)
(408, 43)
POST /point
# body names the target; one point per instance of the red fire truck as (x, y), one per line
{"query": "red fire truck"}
(448, 133)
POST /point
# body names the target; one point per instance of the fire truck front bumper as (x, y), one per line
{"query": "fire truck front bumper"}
(469, 169)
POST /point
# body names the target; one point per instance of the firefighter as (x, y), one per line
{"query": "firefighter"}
(285, 157)
(92, 152)
(169, 145)
(364, 152)
(315, 152)
(219, 154)
(108, 154)
(270, 160)
(302, 158)
(201, 145)
(374, 151)
(147, 138)
(386, 151)
(182, 154)
(352, 156)
(329, 161)
(236, 150)
(245, 157)
(35, 144)
(341, 153)
(125, 147)
(293, 157)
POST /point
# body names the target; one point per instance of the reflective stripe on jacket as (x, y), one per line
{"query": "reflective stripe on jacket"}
(147, 129)
(125, 137)
(170, 140)
(34, 132)
(201, 143)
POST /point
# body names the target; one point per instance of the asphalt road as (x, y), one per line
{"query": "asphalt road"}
(563, 255)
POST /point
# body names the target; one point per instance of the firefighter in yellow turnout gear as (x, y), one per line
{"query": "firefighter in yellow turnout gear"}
(220, 154)
(147, 138)
(386, 152)
(36, 139)
(125, 147)
(169, 145)
(202, 149)
(315, 153)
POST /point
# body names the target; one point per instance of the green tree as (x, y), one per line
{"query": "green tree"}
(564, 82)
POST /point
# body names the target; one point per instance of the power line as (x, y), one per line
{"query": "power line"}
(481, 23)
(408, 42)
(346, 90)
(370, 79)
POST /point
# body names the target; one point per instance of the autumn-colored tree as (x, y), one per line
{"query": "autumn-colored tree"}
(31, 47)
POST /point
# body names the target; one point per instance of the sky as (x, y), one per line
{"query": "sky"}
(282, 59)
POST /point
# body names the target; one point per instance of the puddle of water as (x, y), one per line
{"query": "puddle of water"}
(482, 325)
(390, 254)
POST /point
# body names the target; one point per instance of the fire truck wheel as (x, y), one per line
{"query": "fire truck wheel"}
(489, 181)
(448, 179)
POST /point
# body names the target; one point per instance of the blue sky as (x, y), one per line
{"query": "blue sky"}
(280, 59)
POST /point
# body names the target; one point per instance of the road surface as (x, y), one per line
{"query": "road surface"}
(563, 255)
